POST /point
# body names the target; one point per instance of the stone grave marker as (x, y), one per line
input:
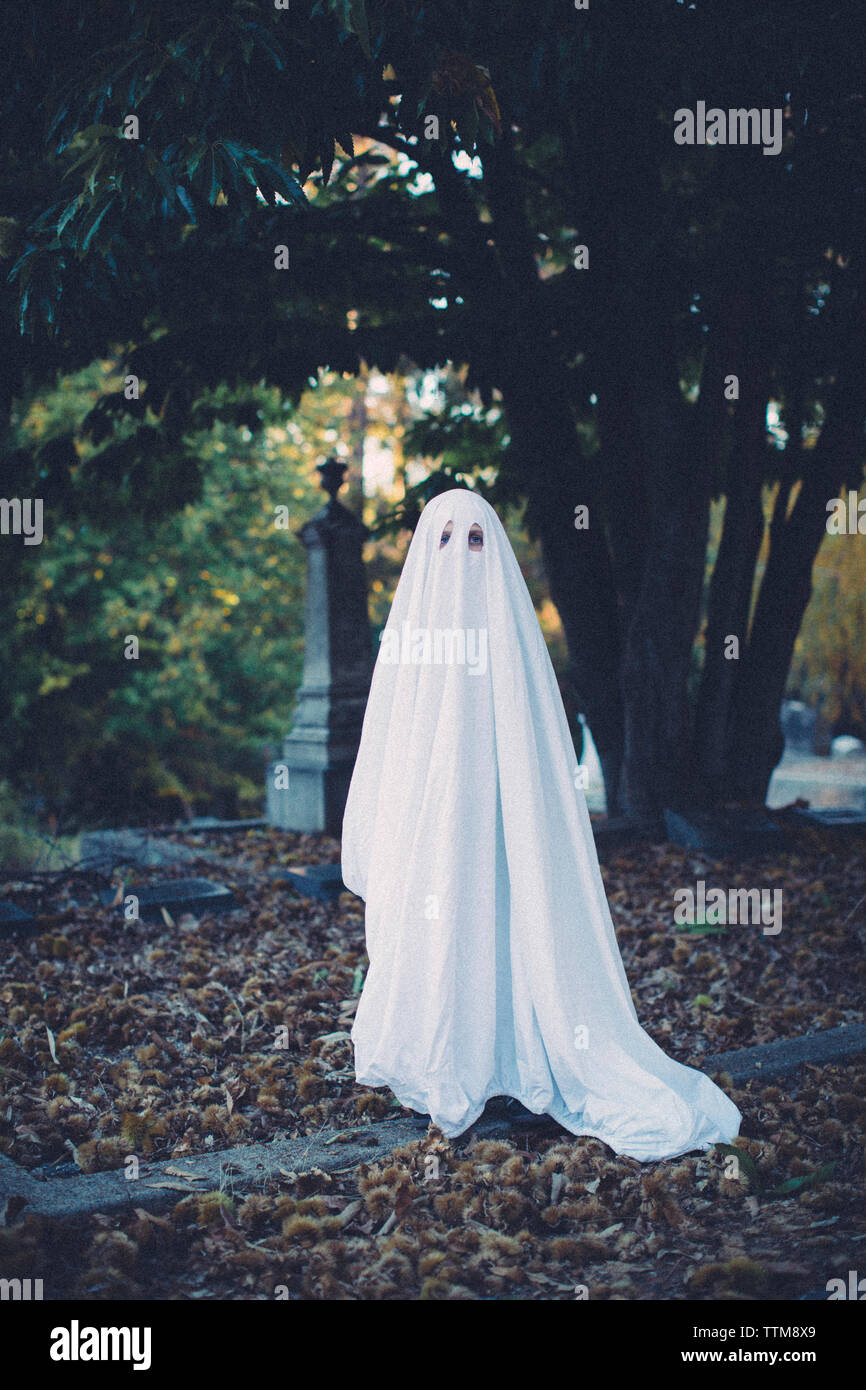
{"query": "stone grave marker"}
(196, 895)
(307, 787)
(322, 881)
(799, 724)
(14, 921)
(845, 746)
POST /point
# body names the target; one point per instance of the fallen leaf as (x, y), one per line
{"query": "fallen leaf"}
(154, 1220)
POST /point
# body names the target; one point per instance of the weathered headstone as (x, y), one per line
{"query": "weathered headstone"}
(799, 723)
(322, 881)
(308, 786)
(14, 921)
(845, 746)
(177, 895)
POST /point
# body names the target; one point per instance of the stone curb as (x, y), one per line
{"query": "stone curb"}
(246, 1167)
(785, 1055)
(240, 1169)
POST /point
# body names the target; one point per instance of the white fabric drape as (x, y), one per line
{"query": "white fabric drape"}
(494, 967)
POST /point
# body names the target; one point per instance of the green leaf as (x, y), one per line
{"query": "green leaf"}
(69, 212)
(327, 160)
(94, 226)
(270, 177)
(195, 160)
(186, 201)
(745, 1161)
(822, 1174)
(97, 178)
(98, 132)
(163, 178)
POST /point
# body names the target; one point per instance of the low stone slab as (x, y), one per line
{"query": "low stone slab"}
(213, 823)
(785, 1055)
(18, 1190)
(846, 822)
(822, 783)
(322, 881)
(102, 849)
(160, 1185)
(14, 921)
(720, 833)
(244, 1168)
(177, 895)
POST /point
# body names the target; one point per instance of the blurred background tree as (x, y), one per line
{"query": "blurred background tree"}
(213, 592)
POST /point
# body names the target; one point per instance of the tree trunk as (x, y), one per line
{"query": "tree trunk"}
(576, 561)
(836, 462)
(658, 647)
(673, 518)
(536, 388)
(740, 350)
(582, 587)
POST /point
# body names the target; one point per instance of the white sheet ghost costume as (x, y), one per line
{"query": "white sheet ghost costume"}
(494, 968)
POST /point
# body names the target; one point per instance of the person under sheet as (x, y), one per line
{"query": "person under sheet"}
(494, 967)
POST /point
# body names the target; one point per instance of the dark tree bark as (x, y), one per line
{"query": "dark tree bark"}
(536, 389)
(836, 462)
(658, 644)
(740, 349)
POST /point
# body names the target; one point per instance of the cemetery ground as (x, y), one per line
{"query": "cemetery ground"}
(156, 1039)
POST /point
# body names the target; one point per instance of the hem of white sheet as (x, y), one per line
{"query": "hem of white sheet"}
(452, 1131)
